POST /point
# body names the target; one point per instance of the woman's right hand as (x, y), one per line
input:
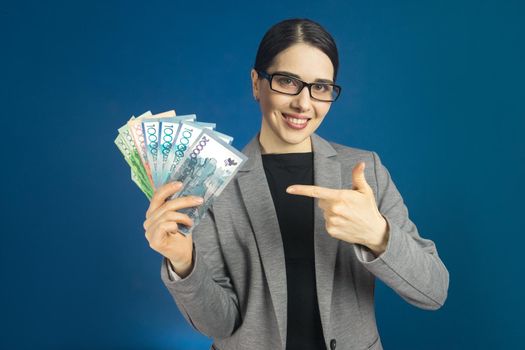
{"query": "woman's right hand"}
(161, 226)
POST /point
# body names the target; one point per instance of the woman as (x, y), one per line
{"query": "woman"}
(275, 266)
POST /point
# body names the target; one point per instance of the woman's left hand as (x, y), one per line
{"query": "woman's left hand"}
(350, 215)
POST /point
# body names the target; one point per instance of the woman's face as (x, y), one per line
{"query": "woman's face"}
(281, 132)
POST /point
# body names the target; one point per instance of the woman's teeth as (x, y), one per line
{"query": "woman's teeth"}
(296, 120)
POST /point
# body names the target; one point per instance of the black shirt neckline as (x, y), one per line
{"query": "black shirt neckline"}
(294, 159)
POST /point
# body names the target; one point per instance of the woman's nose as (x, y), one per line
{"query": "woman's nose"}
(302, 101)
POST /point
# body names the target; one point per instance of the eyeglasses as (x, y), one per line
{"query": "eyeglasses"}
(288, 85)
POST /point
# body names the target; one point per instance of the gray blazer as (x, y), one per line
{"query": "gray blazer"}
(236, 292)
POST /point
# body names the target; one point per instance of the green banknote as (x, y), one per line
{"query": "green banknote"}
(138, 176)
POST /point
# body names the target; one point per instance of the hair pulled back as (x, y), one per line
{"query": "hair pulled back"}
(293, 31)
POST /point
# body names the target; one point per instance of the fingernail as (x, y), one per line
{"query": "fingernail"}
(199, 200)
(290, 189)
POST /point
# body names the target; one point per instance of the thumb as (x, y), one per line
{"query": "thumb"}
(358, 178)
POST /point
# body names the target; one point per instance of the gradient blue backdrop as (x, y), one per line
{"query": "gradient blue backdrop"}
(435, 87)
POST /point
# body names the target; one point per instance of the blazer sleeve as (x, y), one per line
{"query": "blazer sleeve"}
(206, 296)
(171, 272)
(410, 265)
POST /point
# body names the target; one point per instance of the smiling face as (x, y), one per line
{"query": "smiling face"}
(283, 129)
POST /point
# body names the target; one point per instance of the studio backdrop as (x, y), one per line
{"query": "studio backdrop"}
(434, 87)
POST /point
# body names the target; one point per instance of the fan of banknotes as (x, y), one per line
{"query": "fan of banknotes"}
(166, 147)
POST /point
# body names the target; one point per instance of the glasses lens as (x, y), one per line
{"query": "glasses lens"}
(285, 84)
(325, 92)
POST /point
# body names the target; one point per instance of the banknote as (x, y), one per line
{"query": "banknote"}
(141, 181)
(226, 138)
(167, 134)
(126, 145)
(208, 166)
(138, 182)
(136, 130)
(167, 114)
(187, 134)
(151, 132)
(137, 134)
(158, 142)
(168, 131)
(193, 131)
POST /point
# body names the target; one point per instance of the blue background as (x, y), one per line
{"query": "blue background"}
(435, 87)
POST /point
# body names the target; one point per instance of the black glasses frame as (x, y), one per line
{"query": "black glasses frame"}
(269, 77)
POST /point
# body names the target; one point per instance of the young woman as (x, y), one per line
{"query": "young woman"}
(287, 255)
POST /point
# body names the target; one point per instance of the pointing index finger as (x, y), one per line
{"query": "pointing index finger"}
(314, 191)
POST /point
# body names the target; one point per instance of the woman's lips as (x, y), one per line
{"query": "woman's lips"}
(295, 122)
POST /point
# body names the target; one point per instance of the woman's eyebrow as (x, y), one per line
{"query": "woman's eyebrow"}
(318, 80)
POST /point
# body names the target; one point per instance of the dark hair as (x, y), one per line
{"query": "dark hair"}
(292, 31)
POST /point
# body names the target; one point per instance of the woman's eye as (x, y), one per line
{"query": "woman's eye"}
(320, 87)
(285, 81)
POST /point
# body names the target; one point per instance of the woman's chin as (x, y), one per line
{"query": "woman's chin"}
(294, 140)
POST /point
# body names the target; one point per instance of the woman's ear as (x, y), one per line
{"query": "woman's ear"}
(255, 84)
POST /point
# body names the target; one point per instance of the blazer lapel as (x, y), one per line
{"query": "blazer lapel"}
(261, 211)
(327, 173)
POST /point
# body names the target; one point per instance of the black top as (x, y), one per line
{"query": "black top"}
(296, 221)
